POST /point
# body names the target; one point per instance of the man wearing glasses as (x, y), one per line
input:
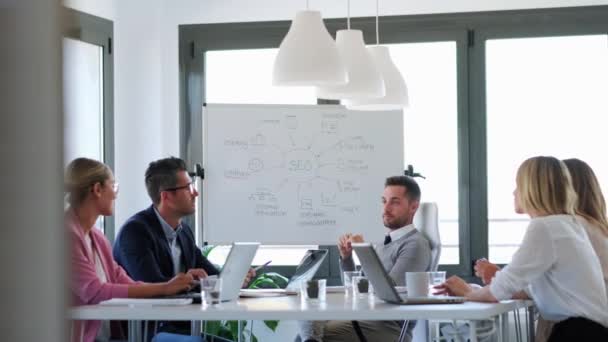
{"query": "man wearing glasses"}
(154, 244)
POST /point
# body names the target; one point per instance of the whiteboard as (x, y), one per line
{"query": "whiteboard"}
(296, 174)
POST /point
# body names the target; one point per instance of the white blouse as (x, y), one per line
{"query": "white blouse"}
(563, 272)
(599, 241)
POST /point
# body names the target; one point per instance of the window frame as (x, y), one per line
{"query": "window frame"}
(98, 31)
(468, 30)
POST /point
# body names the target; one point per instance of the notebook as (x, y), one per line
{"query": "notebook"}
(305, 271)
(146, 301)
(383, 284)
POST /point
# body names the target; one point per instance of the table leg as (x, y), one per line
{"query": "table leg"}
(505, 326)
(134, 331)
(499, 328)
(195, 328)
(473, 331)
(240, 331)
(530, 317)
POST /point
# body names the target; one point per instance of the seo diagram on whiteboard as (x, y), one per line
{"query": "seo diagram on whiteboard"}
(287, 174)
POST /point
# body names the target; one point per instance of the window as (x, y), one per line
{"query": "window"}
(430, 130)
(83, 100)
(230, 79)
(88, 89)
(545, 96)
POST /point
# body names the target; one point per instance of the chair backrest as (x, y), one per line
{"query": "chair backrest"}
(427, 221)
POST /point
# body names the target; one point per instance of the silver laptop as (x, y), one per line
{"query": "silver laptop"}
(383, 284)
(306, 270)
(236, 267)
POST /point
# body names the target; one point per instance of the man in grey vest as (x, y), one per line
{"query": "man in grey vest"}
(405, 249)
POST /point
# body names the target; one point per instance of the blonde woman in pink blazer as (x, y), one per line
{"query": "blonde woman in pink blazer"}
(96, 277)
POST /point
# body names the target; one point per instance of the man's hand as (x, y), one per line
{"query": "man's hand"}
(346, 250)
(250, 276)
(356, 238)
(197, 273)
(344, 244)
(454, 286)
(485, 270)
(181, 282)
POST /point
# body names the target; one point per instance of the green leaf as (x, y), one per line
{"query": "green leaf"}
(264, 283)
(272, 325)
(212, 327)
(278, 279)
(206, 250)
(234, 329)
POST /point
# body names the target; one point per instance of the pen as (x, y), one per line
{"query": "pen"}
(262, 266)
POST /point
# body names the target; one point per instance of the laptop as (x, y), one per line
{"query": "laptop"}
(305, 271)
(233, 273)
(383, 284)
(236, 267)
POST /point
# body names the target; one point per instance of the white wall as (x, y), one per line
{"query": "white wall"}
(101, 8)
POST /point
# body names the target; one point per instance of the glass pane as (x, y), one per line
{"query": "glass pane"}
(545, 96)
(83, 100)
(245, 76)
(230, 78)
(431, 130)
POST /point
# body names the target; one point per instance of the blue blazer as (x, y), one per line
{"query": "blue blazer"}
(141, 248)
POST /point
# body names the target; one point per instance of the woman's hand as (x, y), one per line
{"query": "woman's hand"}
(485, 270)
(454, 286)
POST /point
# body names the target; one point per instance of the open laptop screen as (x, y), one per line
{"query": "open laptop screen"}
(375, 272)
(307, 268)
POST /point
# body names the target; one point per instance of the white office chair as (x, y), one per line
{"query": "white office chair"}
(427, 221)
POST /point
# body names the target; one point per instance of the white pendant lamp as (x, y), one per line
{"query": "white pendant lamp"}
(364, 77)
(396, 96)
(396, 90)
(308, 55)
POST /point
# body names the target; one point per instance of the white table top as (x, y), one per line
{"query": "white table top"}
(291, 308)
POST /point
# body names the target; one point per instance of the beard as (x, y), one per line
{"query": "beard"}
(394, 222)
(187, 210)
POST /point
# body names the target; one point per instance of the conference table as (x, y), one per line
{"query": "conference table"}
(336, 307)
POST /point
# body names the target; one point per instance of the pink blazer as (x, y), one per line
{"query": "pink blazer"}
(85, 287)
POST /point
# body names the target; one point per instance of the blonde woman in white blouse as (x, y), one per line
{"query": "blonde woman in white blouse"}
(555, 263)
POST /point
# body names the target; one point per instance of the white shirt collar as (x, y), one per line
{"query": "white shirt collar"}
(401, 232)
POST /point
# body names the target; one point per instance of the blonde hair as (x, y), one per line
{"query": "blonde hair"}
(591, 202)
(80, 175)
(545, 187)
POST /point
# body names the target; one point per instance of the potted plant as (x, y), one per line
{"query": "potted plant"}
(229, 329)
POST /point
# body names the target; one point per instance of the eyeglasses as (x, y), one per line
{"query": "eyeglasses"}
(114, 186)
(190, 186)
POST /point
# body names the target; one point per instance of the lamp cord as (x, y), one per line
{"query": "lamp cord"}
(348, 14)
(377, 34)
